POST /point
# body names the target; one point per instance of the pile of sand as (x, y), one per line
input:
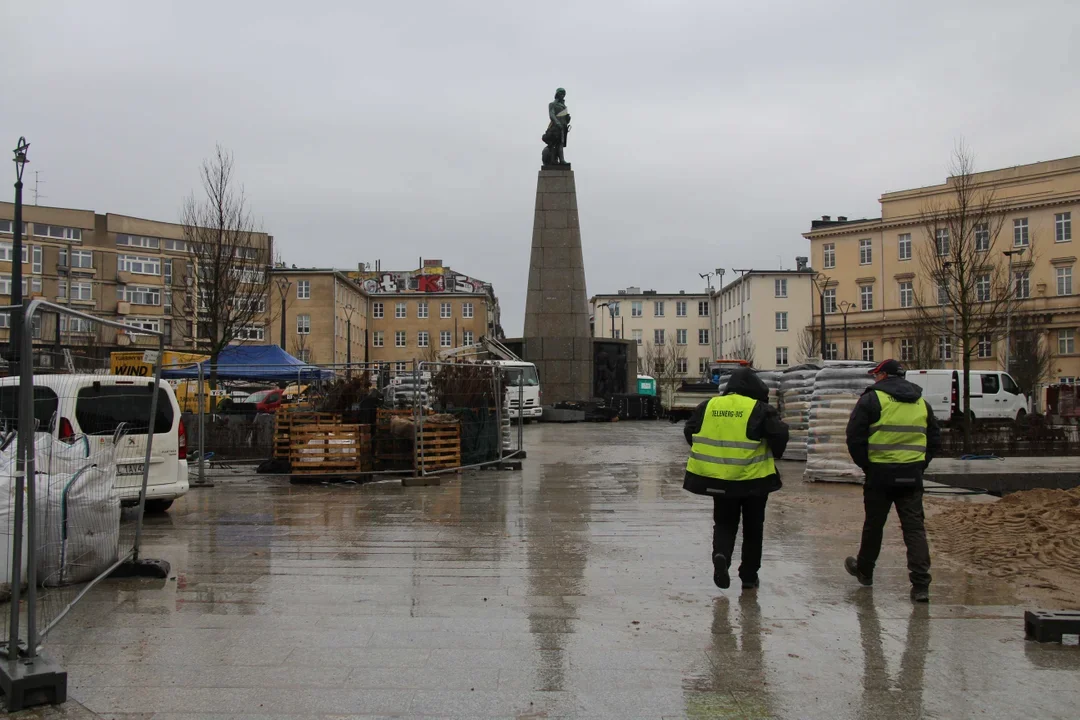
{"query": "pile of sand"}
(1021, 534)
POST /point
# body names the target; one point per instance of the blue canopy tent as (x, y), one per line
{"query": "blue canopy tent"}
(267, 363)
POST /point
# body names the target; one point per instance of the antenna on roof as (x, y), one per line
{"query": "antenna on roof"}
(37, 181)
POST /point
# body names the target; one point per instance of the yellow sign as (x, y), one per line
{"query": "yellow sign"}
(134, 363)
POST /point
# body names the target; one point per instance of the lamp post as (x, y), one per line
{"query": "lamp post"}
(845, 307)
(707, 277)
(283, 284)
(1008, 309)
(718, 332)
(821, 280)
(349, 310)
(16, 257)
(613, 310)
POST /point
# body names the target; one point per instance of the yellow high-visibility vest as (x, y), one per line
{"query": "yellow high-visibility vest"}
(721, 449)
(899, 437)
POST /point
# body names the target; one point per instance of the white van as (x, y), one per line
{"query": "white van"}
(995, 396)
(71, 406)
(522, 384)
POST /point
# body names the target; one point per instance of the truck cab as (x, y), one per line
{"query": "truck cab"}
(522, 385)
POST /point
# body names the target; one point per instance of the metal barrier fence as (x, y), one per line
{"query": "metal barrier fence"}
(76, 460)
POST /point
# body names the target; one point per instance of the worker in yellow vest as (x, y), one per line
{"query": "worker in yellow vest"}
(734, 440)
(892, 435)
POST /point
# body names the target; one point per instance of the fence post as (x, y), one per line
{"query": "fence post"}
(156, 390)
(500, 400)
(202, 424)
(26, 438)
(521, 415)
(418, 421)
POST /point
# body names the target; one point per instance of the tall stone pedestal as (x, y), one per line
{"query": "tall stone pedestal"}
(557, 309)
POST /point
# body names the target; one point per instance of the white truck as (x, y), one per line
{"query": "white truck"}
(520, 378)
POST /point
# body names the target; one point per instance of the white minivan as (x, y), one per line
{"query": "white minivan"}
(995, 396)
(72, 406)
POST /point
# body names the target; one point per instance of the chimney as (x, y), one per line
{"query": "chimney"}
(841, 218)
(801, 262)
(826, 218)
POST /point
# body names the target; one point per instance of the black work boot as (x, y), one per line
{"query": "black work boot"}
(852, 567)
(720, 572)
(751, 583)
(920, 594)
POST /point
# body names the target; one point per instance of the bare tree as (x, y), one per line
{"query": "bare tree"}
(970, 291)
(923, 346)
(808, 345)
(300, 347)
(742, 349)
(1032, 356)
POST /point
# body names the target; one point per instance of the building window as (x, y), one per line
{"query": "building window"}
(377, 338)
(868, 350)
(444, 311)
(76, 291)
(151, 324)
(986, 346)
(1064, 281)
(7, 252)
(422, 309)
(74, 326)
(1063, 227)
(1066, 342)
(1020, 233)
(166, 266)
(422, 339)
(907, 350)
(303, 289)
(830, 300)
(830, 256)
(400, 366)
(831, 353)
(866, 297)
(138, 265)
(680, 336)
(944, 351)
(866, 251)
(636, 334)
(781, 357)
(941, 241)
(139, 295)
(982, 288)
(943, 292)
(658, 337)
(907, 295)
(30, 286)
(781, 322)
(616, 334)
(613, 309)
(377, 310)
(399, 338)
(176, 245)
(305, 355)
(303, 324)
(658, 308)
(467, 337)
(58, 232)
(703, 336)
(467, 310)
(445, 339)
(780, 287)
(703, 308)
(8, 226)
(635, 308)
(78, 259)
(36, 255)
(982, 238)
(682, 366)
(680, 308)
(904, 244)
(399, 311)
(1023, 284)
(150, 243)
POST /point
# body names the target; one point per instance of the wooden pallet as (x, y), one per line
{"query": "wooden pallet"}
(439, 445)
(318, 448)
(286, 419)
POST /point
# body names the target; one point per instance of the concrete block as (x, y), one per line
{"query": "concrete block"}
(539, 200)
(577, 279)
(572, 219)
(579, 303)
(534, 278)
(556, 201)
(538, 222)
(558, 373)
(559, 279)
(559, 238)
(532, 325)
(534, 345)
(554, 183)
(559, 349)
(556, 257)
(555, 219)
(552, 324)
(583, 349)
(536, 258)
(573, 202)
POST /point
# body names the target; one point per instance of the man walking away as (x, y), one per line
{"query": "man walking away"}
(892, 435)
(734, 440)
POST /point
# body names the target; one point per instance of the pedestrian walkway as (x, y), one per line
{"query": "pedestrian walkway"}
(579, 588)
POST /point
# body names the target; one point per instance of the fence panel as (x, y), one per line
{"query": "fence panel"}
(460, 407)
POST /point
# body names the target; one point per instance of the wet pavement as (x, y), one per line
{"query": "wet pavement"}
(578, 588)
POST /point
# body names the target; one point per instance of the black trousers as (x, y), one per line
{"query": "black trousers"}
(726, 512)
(909, 507)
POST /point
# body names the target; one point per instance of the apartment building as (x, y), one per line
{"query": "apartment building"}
(877, 266)
(117, 267)
(417, 314)
(322, 315)
(657, 320)
(763, 315)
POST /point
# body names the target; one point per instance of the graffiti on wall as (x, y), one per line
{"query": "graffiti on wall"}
(425, 280)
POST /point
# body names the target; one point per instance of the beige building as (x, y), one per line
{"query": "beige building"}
(658, 321)
(324, 311)
(876, 266)
(763, 315)
(120, 268)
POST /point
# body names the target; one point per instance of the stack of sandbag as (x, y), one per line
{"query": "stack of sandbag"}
(771, 378)
(837, 387)
(796, 389)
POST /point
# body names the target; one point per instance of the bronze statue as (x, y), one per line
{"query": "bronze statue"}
(558, 128)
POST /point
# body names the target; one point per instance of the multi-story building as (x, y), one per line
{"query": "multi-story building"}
(658, 321)
(876, 266)
(417, 314)
(763, 315)
(116, 267)
(320, 312)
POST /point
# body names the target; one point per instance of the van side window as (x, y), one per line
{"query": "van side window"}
(990, 385)
(45, 404)
(1010, 386)
(98, 410)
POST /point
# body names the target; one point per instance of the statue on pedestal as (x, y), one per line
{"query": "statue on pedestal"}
(557, 131)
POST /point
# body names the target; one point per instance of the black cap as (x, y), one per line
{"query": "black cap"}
(889, 367)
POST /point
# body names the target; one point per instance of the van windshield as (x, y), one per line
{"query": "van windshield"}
(100, 409)
(45, 404)
(520, 376)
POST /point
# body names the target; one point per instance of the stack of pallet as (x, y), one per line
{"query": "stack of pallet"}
(438, 446)
(321, 444)
(392, 453)
(285, 419)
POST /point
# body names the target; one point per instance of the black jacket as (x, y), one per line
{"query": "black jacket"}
(867, 412)
(764, 424)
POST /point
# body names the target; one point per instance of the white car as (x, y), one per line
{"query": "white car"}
(71, 406)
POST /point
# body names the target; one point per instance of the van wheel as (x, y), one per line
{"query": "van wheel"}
(158, 506)
(1021, 416)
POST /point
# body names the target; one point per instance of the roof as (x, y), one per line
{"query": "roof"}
(252, 362)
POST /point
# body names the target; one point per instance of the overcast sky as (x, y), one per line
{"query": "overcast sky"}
(705, 134)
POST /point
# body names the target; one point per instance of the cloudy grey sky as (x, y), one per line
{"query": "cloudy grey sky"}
(706, 133)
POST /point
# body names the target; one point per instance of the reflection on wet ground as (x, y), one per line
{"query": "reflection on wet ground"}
(579, 588)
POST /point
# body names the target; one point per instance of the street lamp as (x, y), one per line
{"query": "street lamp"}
(613, 310)
(821, 280)
(714, 331)
(1008, 308)
(349, 310)
(16, 256)
(283, 284)
(845, 307)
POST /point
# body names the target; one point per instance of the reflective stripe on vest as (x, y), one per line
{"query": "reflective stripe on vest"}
(721, 449)
(899, 436)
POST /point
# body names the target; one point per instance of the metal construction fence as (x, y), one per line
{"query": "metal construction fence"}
(77, 456)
